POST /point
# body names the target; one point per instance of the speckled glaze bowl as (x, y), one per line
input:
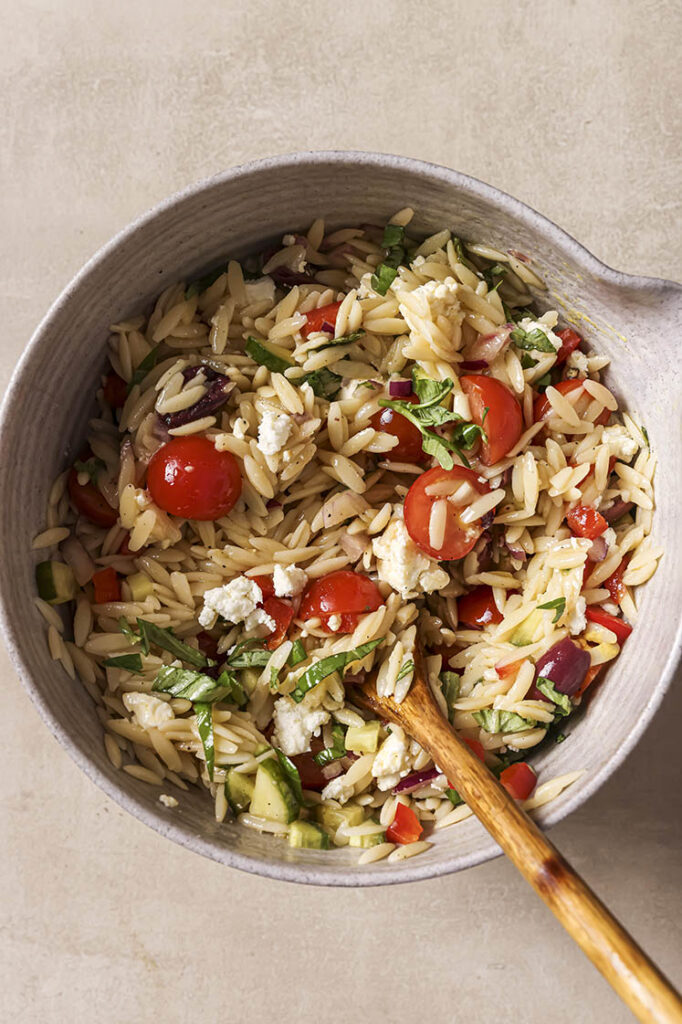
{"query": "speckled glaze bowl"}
(637, 322)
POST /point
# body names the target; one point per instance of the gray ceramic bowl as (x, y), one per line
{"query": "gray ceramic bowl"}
(636, 321)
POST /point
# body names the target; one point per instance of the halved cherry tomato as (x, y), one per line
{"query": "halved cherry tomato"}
(519, 780)
(107, 586)
(505, 671)
(266, 585)
(322, 319)
(585, 521)
(405, 827)
(190, 478)
(459, 537)
(618, 626)
(310, 773)
(614, 584)
(503, 420)
(409, 446)
(344, 593)
(115, 390)
(282, 612)
(542, 409)
(569, 342)
(90, 502)
(591, 674)
(477, 609)
(476, 746)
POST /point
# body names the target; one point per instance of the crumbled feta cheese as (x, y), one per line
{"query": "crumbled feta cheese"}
(619, 441)
(273, 431)
(296, 724)
(610, 537)
(168, 801)
(288, 580)
(338, 789)
(149, 711)
(577, 622)
(240, 428)
(437, 300)
(403, 566)
(545, 325)
(578, 361)
(334, 623)
(236, 602)
(392, 762)
(260, 290)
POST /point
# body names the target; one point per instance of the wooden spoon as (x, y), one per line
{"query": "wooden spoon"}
(625, 966)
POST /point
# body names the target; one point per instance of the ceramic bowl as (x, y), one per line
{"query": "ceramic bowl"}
(637, 322)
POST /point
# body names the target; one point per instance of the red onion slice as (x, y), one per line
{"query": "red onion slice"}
(332, 770)
(599, 549)
(416, 780)
(618, 509)
(400, 388)
(565, 664)
(474, 364)
(487, 347)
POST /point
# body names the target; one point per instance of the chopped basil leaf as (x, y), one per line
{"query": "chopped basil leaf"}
(197, 686)
(150, 633)
(560, 737)
(394, 234)
(347, 339)
(562, 700)
(325, 383)
(384, 278)
(497, 270)
(533, 341)
(242, 658)
(450, 684)
(454, 797)
(646, 436)
(335, 663)
(291, 772)
(493, 720)
(143, 368)
(93, 467)
(204, 713)
(128, 630)
(559, 603)
(406, 670)
(337, 749)
(387, 271)
(297, 655)
(543, 383)
(202, 283)
(461, 254)
(129, 662)
(274, 678)
(527, 362)
(467, 434)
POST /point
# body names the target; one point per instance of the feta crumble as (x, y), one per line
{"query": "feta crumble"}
(334, 623)
(288, 580)
(338, 789)
(273, 431)
(240, 428)
(393, 760)
(403, 566)
(619, 441)
(149, 712)
(296, 724)
(577, 623)
(236, 602)
(260, 290)
(168, 801)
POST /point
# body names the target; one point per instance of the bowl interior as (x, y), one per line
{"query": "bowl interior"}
(633, 321)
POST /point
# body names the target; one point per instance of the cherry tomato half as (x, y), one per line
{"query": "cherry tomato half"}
(115, 390)
(282, 612)
(542, 409)
(310, 773)
(405, 827)
(344, 593)
(503, 421)
(90, 502)
(477, 609)
(190, 478)
(409, 446)
(614, 584)
(591, 674)
(519, 780)
(618, 626)
(322, 319)
(569, 342)
(585, 521)
(459, 538)
(107, 586)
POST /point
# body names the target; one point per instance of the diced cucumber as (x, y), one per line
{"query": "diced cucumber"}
(56, 582)
(366, 842)
(276, 358)
(141, 587)
(363, 739)
(307, 835)
(331, 817)
(524, 633)
(273, 798)
(239, 791)
(248, 677)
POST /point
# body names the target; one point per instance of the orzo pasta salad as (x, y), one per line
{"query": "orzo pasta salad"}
(302, 463)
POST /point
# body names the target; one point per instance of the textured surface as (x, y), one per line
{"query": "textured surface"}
(99, 128)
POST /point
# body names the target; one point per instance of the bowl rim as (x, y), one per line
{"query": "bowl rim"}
(417, 869)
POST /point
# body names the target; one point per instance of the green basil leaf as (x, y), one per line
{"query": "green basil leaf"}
(129, 662)
(533, 341)
(93, 467)
(248, 659)
(204, 713)
(150, 633)
(560, 737)
(291, 772)
(493, 720)
(297, 655)
(394, 234)
(128, 630)
(429, 392)
(562, 701)
(347, 339)
(646, 436)
(335, 663)
(325, 383)
(558, 603)
(450, 683)
(527, 362)
(467, 434)
(143, 368)
(337, 749)
(406, 670)
(197, 686)
(384, 277)
(454, 797)
(274, 679)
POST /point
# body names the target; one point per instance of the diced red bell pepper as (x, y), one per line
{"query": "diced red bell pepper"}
(591, 674)
(618, 626)
(107, 586)
(519, 780)
(505, 671)
(405, 827)
(569, 342)
(614, 584)
(585, 521)
(477, 609)
(322, 319)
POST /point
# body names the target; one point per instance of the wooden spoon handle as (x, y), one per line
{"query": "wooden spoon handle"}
(611, 949)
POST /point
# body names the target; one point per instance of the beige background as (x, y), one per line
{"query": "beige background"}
(108, 107)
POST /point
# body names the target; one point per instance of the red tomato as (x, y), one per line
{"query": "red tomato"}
(618, 626)
(409, 446)
(344, 593)
(505, 671)
(309, 772)
(585, 521)
(107, 586)
(90, 502)
(405, 827)
(476, 746)
(503, 419)
(569, 342)
(590, 676)
(519, 780)
(323, 319)
(190, 478)
(283, 613)
(542, 410)
(614, 584)
(266, 585)
(477, 608)
(115, 390)
(459, 537)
